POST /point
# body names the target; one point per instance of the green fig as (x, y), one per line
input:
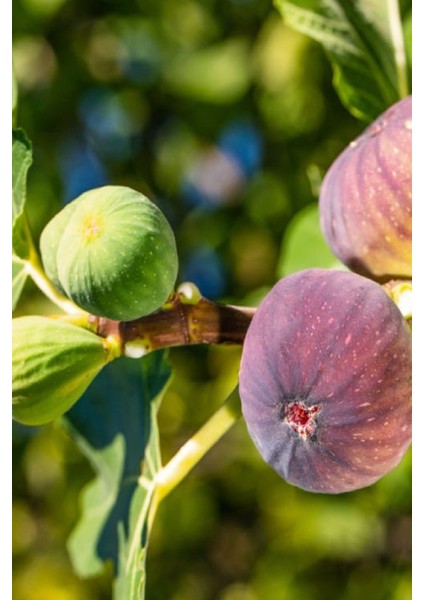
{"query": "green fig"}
(53, 363)
(50, 239)
(115, 253)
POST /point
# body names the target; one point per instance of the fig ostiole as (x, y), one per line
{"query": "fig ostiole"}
(325, 381)
(112, 252)
(366, 198)
(53, 363)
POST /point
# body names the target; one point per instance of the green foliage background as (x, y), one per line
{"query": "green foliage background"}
(228, 119)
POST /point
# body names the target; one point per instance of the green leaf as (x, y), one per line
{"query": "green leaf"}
(14, 97)
(131, 579)
(114, 424)
(19, 276)
(407, 32)
(21, 161)
(364, 41)
(304, 246)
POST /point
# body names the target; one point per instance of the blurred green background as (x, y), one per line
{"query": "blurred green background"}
(228, 120)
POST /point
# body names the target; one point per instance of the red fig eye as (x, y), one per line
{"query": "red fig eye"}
(301, 418)
(325, 381)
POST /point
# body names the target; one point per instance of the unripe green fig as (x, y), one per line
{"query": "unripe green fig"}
(115, 253)
(53, 363)
(366, 198)
(50, 239)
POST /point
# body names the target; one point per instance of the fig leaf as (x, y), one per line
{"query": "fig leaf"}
(21, 162)
(364, 42)
(115, 426)
(19, 276)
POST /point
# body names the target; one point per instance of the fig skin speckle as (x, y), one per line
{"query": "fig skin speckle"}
(334, 342)
(366, 198)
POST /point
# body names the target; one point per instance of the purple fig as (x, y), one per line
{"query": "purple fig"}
(325, 381)
(366, 198)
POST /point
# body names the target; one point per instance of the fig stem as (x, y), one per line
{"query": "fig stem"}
(35, 270)
(398, 47)
(179, 324)
(197, 446)
(400, 291)
(187, 457)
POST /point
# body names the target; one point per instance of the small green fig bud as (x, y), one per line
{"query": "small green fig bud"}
(53, 363)
(115, 253)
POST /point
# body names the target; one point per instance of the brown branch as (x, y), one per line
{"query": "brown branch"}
(180, 324)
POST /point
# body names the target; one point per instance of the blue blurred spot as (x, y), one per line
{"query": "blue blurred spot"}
(143, 57)
(204, 268)
(109, 123)
(214, 179)
(141, 71)
(243, 142)
(196, 196)
(80, 168)
(220, 172)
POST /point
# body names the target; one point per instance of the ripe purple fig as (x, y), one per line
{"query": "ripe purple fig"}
(325, 381)
(366, 198)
